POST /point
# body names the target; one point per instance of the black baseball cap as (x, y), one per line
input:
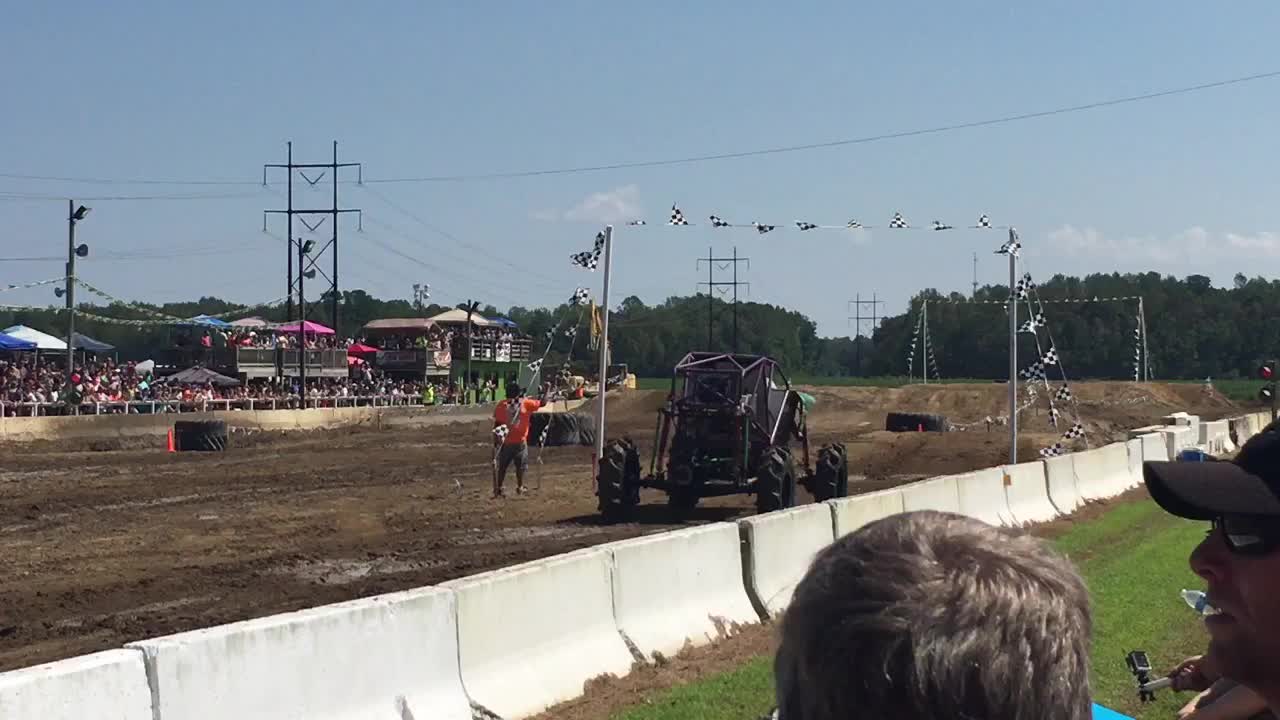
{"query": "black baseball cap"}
(1246, 485)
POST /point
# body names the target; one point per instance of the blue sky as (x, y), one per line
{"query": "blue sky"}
(152, 90)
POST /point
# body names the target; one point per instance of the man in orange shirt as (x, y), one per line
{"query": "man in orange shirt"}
(511, 421)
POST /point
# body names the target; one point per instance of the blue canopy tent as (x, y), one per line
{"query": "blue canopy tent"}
(504, 322)
(88, 344)
(9, 342)
(209, 321)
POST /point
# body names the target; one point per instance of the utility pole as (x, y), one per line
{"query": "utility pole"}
(311, 262)
(713, 284)
(74, 215)
(466, 384)
(858, 319)
(974, 296)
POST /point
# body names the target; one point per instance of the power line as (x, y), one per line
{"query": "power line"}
(700, 158)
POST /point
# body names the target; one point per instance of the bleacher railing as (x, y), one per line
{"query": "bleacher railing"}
(153, 407)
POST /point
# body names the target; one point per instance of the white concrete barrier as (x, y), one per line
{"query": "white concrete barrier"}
(1060, 475)
(1154, 448)
(1178, 438)
(1134, 450)
(1103, 472)
(681, 586)
(779, 548)
(1027, 488)
(1261, 421)
(109, 685)
(530, 636)
(1214, 436)
(982, 495)
(934, 494)
(392, 656)
(852, 513)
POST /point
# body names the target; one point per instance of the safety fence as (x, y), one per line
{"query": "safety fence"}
(158, 407)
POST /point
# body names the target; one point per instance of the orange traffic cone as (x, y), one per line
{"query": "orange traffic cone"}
(171, 448)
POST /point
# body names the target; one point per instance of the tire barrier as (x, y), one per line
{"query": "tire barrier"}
(200, 435)
(392, 655)
(111, 684)
(679, 587)
(1103, 472)
(936, 494)
(981, 495)
(562, 429)
(778, 548)
(1060, 477)
(532, 635)
(1026, 486)
(915, 422)
(851, 513)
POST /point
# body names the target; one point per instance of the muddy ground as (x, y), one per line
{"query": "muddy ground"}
(102, 544)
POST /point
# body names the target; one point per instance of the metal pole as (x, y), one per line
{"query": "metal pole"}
(466, 381)
(71, 293)
(711, 291)
(604, 338)
(302, 331)
(333, 300)
(857, 332)
(288, 248)
(1142, 323)
(735, 299)
(924, 340)
(1013, 351)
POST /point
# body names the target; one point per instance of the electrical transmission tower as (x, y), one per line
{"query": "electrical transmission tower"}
(716, 285)
(309, 260)
(858, 318)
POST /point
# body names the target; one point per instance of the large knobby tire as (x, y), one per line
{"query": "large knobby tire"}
(199, 435)
(776, 481)
(914, 422)
(683, 496)
(831, 476)
(618, 484)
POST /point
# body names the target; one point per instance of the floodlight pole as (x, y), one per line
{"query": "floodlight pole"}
(71, 296)
(604, 339)
(1013, 349)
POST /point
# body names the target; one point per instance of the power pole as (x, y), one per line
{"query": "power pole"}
(974, 296)
(713, 284)
(466, 382)
(858, 319)
(309, 262)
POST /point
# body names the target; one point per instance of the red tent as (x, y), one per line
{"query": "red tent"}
(362, 349)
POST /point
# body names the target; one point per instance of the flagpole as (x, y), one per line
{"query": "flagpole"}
(604, 340)
(1013, 350)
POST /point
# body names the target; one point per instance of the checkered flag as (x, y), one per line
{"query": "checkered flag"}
(1024, 286)
(1054, 451)
(1035, 371)
(677, 217)
(535, 366)
(1011, 246)
(717, 222)
(1063, 394)
(938, 225)
(1053, 415)
(853, 225)
(898, 221)
(1051, 357)
(581, 296)
(571, 332)
(551, 332)
(762, 229)
(984, 222)
(1030, 325)
(805, 225)
(637, 222)
(591, 258)
(542, 439)
(500, 432)
(1076, 431)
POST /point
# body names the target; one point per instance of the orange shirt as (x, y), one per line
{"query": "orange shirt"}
(517, 429)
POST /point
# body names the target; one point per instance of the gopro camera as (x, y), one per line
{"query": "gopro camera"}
(1140, 665)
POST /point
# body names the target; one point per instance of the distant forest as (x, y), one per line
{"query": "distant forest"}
(1195, 330)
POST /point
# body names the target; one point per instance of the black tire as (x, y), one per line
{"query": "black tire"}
(684, 497)
(776, 481)
(913, 422)
(618, 484)
(831, 476)
(200, 435)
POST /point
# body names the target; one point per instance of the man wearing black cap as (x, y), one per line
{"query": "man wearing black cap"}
(1239, 559)
(511, 444)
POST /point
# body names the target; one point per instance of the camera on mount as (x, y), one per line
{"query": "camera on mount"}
(1140, 665)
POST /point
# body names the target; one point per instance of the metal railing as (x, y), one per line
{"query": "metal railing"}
(155, 407)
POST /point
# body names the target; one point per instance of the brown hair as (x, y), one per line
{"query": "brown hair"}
(934, 615)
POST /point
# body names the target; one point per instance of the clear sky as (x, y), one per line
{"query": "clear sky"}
(211, 91)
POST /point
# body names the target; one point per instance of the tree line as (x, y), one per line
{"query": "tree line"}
(1194, 330)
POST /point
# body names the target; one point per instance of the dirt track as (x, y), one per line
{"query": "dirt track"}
(102, 547)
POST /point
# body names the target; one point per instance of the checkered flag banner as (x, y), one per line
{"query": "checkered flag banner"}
(853, 225)
(535, 365)
(805, 225)
(939, 225)
(1063, 394)
(898, 222)
(1034, 372)
(716, 221)
(1053, 451)
(1011, 246)
(1023, 287)
(677, 217)
(1037, 321)
(551, 331)
(637, 222)
(571, 332)
(501, 431)
(1051, 357)
(581, 296)
(1076, 431)
(589, 259)
(984, 223)
(762, 229)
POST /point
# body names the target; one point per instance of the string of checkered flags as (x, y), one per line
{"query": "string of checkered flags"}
(897, 222)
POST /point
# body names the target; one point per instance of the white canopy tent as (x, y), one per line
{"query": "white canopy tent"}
(43, 341)
(459, 317)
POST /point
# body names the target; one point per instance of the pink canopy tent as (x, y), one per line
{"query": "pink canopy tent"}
(309, 328)
(362, 349)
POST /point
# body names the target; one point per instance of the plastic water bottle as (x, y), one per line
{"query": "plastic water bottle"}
(1198, 601)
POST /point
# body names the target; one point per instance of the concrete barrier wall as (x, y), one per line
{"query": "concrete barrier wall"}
(853, 512)
(1154, 448)
(104, 685)
(1134, 450)
(935, 494)
(981, 495)
(779, 546)
(1103, 472)
(393, 655)
(1027, 489)
(1060, 476)
(532, 635)
(1177, 439)
(677, 587)
(1214, 436)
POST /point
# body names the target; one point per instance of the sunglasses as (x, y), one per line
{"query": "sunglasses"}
(1249, 535)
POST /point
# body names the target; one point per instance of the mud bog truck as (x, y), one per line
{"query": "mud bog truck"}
(731, 425)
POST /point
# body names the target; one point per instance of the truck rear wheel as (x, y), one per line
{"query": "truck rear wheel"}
(618, 484)
(831, 476)
(776, 481)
